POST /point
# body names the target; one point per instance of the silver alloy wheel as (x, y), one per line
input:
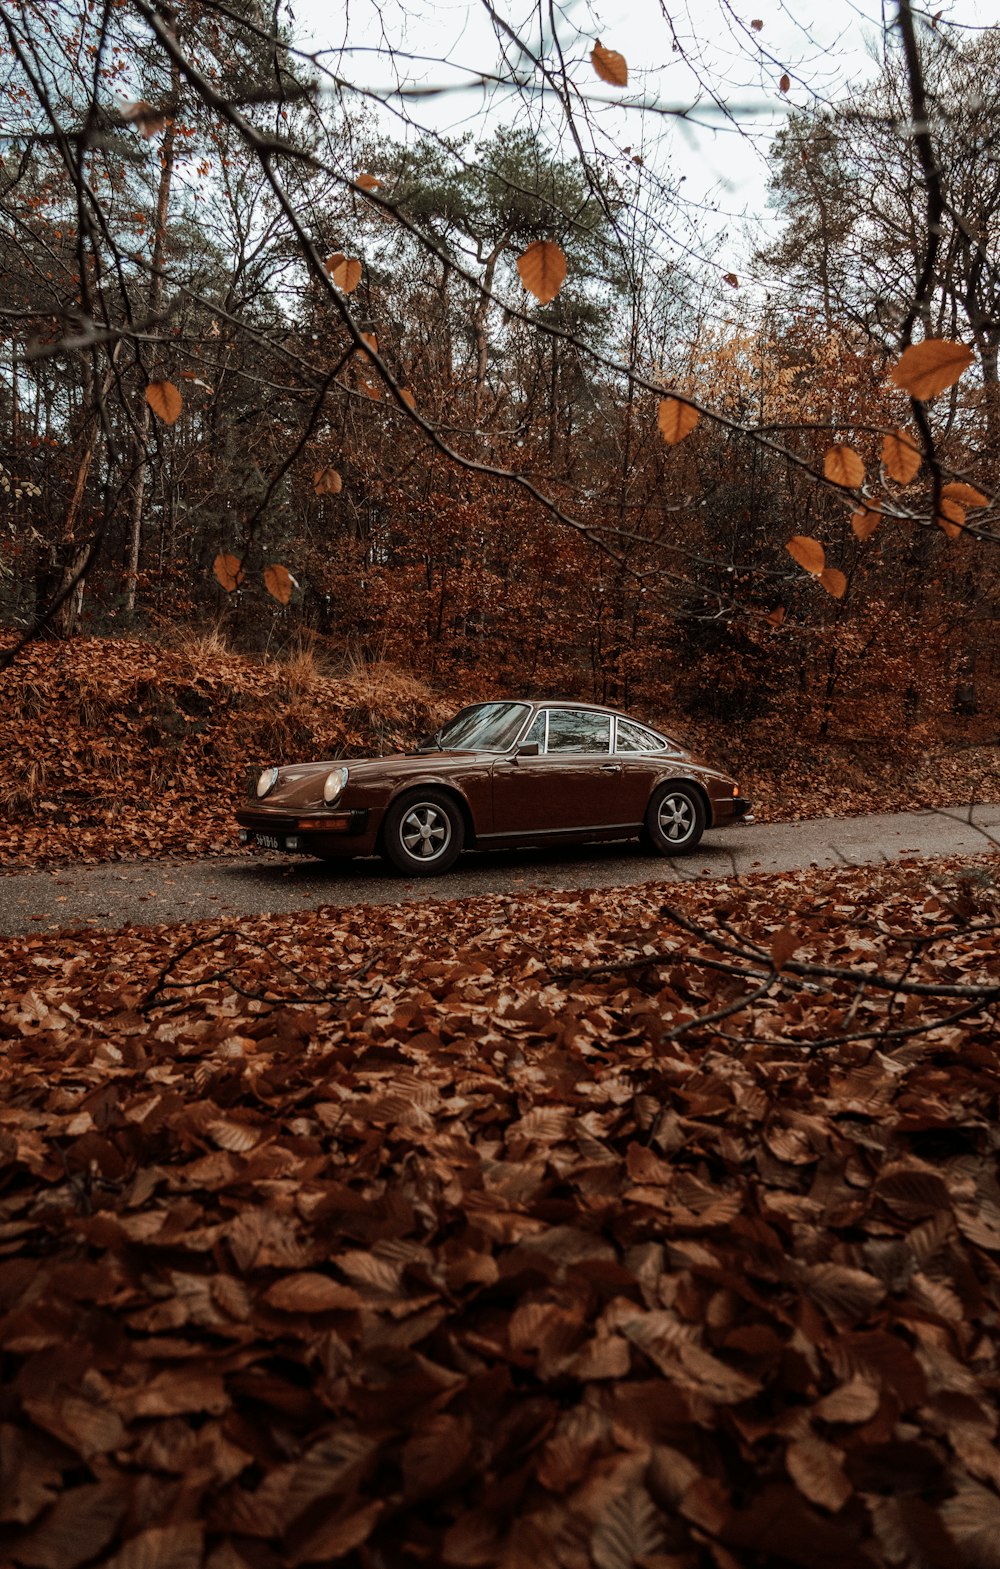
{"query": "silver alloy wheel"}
(675, 818)
(425, 831)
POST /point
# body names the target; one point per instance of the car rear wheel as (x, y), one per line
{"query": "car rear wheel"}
(423, 833)
(675, 819)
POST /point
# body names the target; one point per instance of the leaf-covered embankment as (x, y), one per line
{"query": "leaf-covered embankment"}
(450, 1236)
(123, 750)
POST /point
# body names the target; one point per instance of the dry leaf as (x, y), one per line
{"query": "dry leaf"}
(925, 369)
(368, 182)
(809, 553)
(542, 268)
(784, 944)
(144, 117)
(307, 1292)
(370, 339)
(609, 65)
(865, 522)
(815, 1468)
(676, 419)
(228, 571)
(901, 458)
(785, 83)
(327, 482)
(757, 24)
(951, 518)
(164, 400)
(776, 616)
(278, 582)
(843, 466)
(407, 397)
(333, 262)
(731, 279)
(834, 581)
(966, 495)
(347, 275)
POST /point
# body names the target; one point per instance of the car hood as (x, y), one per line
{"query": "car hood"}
(301, 784)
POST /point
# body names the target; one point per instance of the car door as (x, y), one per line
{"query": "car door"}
(569, 787)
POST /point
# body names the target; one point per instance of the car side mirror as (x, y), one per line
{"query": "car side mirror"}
(528, 749)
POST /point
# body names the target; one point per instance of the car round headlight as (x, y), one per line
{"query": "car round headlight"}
(333, 785)
(266, 782)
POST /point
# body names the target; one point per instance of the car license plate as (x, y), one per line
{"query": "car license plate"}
(268, 842)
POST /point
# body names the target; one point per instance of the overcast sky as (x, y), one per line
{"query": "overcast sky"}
(677, 55)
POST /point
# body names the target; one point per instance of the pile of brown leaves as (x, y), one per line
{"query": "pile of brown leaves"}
(118, 749)
(448, 1235)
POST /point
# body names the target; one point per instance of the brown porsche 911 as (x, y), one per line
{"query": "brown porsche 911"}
(521, 772)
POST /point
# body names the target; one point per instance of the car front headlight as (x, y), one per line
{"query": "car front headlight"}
(266, 782)
(333, 785)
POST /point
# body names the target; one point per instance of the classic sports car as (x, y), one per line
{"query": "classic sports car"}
(520, 772)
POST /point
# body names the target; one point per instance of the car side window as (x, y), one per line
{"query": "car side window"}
(576, 730)
(633, 738)
(536, 735)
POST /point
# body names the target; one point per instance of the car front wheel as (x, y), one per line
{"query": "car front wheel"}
(675, 819)
(423, 834)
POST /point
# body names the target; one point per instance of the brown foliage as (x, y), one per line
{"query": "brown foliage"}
(455, 1238)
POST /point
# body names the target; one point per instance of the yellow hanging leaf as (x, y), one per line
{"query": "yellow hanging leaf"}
(676, 419)
(967, 495)
(407, 397)
(925, 369)
(368, 182)
(731, 279)
(865, 522)
(327, 482)
(278, 582)
(610, 66)
(347, 275)
(809, 553)
(164, 400)
(776, 616)
(951, 517)
(834, 581)
(901, 458)
(843, 466)
(228, 571)
(542, 268)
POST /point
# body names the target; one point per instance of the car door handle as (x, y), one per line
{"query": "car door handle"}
(611, 768)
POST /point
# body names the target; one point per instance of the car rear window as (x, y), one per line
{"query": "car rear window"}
(633, 738)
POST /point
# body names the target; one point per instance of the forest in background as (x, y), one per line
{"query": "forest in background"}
(271, 367)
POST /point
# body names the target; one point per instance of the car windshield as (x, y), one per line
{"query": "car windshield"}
(486, 727)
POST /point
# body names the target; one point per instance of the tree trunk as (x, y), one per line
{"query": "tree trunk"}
(155, 306)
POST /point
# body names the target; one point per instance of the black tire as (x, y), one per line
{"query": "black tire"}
(424, 817)
(675, 819)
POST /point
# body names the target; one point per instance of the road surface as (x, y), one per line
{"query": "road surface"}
(118, 894)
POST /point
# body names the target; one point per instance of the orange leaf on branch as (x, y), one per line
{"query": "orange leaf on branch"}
(327, 482)
(610, 66)
(843, 466)
(776, 616)
(925, 369)
(950, 517)
(164, 400)
(368, 182)
(542, 269)
(966, 495)
(228, 571)
(346, 274)
(834, 581)
(278, 582)
(809, 553)
(901, 458)
(676, 419)
(865, 522)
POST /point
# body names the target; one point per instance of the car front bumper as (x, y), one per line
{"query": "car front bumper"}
(346, 832)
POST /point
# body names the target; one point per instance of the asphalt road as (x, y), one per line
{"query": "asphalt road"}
(144, 893)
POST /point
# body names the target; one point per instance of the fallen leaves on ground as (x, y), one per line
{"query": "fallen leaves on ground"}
(447, 1235)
